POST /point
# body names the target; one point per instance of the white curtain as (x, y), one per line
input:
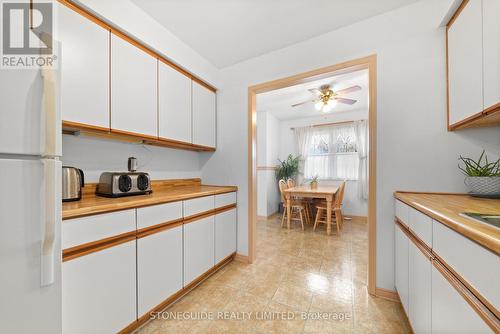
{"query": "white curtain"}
(362, 148)
(303, 140)
(332, 153)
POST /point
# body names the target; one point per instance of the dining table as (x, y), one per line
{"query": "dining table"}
(325, 192)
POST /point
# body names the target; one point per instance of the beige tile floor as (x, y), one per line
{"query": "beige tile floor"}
(297, 276)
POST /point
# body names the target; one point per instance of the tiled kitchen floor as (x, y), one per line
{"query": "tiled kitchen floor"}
(303, 274)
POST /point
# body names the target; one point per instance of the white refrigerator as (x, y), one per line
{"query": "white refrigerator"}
(30, 202)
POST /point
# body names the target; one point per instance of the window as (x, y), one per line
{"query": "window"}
(332, 153)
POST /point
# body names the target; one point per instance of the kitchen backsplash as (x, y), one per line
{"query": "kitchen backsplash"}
(95, 156)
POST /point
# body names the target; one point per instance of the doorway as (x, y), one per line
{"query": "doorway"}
(366, 63)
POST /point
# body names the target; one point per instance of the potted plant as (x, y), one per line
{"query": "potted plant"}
(314, 182)
(288, 168)
(482, 176)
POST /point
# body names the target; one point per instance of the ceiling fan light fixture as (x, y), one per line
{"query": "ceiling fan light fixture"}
(332, 103)
(326, 108)
(318, 105)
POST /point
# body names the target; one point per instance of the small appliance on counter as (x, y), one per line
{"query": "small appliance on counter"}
(72, 184)
(120, 184)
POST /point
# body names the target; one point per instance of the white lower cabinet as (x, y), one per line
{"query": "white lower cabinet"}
(419, 288)
(159, 268)
(450, 311)
(225, 234)
(99, 291)
(198, 248)
(401, 264)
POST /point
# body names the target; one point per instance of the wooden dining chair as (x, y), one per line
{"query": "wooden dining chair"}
(305, 201)
(337, 215)
(296, 206)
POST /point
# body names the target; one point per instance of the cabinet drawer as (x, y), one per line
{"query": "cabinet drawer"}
(198, 205)
(477, 265)
(225, 199)
(421, 225)
(83, 230)
(401, 210)
(158, 214)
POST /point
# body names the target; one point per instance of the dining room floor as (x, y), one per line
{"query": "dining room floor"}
(301, 282)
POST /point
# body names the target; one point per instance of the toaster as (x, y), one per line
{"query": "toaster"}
(119, 184)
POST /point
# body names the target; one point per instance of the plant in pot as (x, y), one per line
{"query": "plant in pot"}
(482, 176)
(314, 182)
(286, 169)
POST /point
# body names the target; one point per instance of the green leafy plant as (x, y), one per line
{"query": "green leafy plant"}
(314, 179)
(288, 168)
(481, 167)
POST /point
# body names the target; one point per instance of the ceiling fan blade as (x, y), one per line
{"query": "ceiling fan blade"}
(345, 101)
(301, 103)
(316, 91)
(348, 90)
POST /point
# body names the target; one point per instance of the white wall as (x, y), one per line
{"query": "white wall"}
(268, 140)
(95, 156)
(352, 205)
(414, 150)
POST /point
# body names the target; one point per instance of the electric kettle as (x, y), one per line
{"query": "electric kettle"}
(72, 184)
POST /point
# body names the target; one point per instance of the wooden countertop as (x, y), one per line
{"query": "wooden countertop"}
(446, 208)
(90, 204)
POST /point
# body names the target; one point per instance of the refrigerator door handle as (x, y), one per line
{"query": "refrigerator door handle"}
(51, 118)
(51, 219)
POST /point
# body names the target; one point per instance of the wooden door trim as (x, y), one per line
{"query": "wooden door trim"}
(144, 232)
(115, 31)
(370, 63)
(96, 246)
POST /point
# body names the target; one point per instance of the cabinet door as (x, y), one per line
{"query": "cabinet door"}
(401, 262)
(450, 311)
(198, 248)
(203, 116)
(174, 104)
(133, 89)
(465, 63)
(491, 53)
(159, 268)
(99, 291)
(419, 288)
(225, 234)
(84, 69)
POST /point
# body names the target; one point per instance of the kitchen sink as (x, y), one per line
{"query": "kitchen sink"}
(490, 219)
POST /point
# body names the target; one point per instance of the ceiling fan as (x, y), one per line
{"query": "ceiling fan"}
(326, 98)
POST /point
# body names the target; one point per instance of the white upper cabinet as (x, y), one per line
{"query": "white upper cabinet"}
(204, 116)
(133, 89)
(465, 63)
(84, 69)
(491, 55)
(174, 104)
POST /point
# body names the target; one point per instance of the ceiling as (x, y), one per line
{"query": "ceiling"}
(278, 102)
(226, 32)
